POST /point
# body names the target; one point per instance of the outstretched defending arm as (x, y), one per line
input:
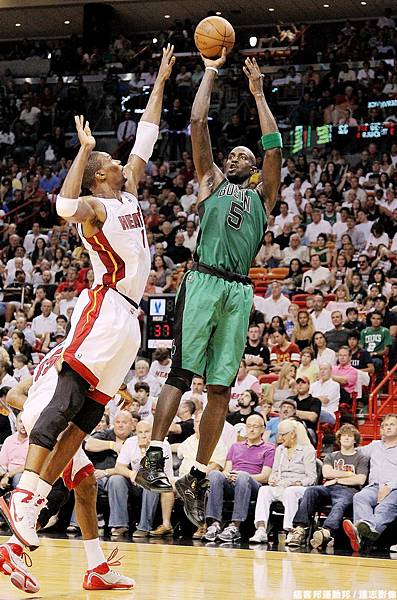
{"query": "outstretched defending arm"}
(271, 138)
(207, 172)
(148, 127)
(69, 205)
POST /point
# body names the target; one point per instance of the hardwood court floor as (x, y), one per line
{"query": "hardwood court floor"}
(166, 572)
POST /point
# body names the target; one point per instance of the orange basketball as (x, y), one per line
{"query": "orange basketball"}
(212, 34)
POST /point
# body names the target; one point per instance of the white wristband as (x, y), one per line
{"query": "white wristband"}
(212, 69)
(67, 207)
(146, 137)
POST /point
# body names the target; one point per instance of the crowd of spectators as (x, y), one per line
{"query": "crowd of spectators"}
(323, 328)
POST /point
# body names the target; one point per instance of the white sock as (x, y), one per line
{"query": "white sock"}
(200, 466)
(156, 444)
(94, 553)
(29, 481)
(14, 540)
(43, 488)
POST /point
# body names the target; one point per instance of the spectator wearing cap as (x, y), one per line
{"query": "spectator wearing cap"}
(276, 304)
(317, 277)
(345, 374)
(328, 392)
(51, 340)
(336, 337)
(377, 340)
(287, 411)
(308, 408)
(178, 253)
(248, 466)
(317, 226)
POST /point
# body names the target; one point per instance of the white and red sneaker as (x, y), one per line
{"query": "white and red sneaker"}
(12, 563)
(104, 578)
(21, 512)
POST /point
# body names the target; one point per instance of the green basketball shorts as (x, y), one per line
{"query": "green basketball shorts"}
(211, 324)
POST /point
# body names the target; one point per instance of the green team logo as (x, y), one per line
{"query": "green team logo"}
(239, 206)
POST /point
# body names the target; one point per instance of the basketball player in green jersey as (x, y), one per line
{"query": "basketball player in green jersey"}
(215, 297)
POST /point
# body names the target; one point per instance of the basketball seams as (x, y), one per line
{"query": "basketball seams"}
(210, 37)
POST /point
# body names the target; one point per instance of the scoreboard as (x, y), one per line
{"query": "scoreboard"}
(302, 137)
(160, 321)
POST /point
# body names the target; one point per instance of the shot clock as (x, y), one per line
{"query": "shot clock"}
(160, 321)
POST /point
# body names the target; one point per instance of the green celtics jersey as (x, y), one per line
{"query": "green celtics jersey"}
(374, 340)
(232, 225)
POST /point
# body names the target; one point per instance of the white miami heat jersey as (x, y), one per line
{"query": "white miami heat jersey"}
(119, 252)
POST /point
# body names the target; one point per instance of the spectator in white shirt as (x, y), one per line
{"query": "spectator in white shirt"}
(46, 322)
(295, 250)
(366, 74)
(386, 20)
(376, 237)
(322, 353)
(284, 216)
(68, 300)
(189, 198)
(321, 317)
(31, 237)
(190, 236)
(363, 224)
(346, 74)
(317, 226)
(127, 465)
(317, 277)
(328, 392)
(142, 374)
(244, 381)
(160, 366)
(340, 226)
(276, 305)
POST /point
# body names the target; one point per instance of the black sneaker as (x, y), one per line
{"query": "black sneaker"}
(193, 493)
(151, 475)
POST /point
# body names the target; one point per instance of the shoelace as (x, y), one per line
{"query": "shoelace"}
(23, 558)
(113, 555)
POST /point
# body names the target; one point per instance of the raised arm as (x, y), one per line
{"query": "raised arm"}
(69, 204)
(271, 139)
(207, 172)
(148, 127)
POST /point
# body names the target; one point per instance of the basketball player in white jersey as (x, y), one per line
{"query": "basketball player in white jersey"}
(32, 395)
(105, 335)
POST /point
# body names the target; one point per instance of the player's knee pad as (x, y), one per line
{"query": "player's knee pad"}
(180, 378)
(89, 415)
(67, 401)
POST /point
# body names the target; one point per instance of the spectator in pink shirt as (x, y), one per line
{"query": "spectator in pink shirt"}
(344, 374)
(12, 457)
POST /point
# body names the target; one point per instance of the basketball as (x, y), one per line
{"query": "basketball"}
(212, 34)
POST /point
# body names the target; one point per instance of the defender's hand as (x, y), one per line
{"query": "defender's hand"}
(254, 75)
(167, 62)
(217, 63)
(86, 138)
